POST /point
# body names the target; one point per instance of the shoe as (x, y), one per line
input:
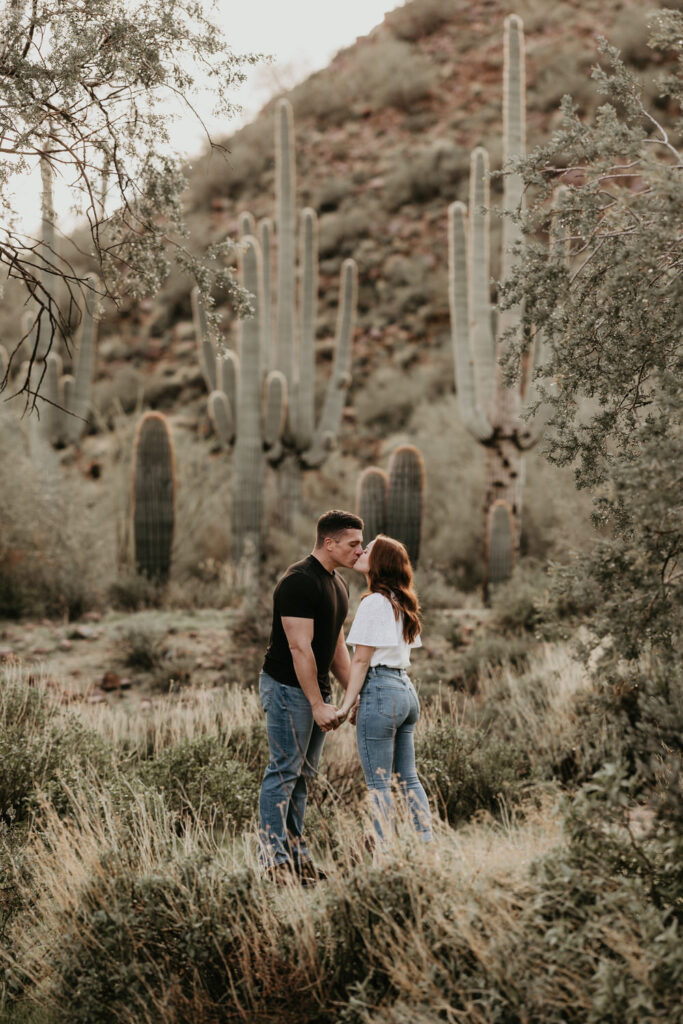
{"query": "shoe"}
(281, 874)
(308, 874)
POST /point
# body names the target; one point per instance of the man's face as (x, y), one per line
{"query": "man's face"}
(346, 547)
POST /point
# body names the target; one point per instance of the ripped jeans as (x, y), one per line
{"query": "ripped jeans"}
(387, 714)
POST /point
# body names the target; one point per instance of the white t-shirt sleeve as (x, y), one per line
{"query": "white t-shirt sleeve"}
(375, 624)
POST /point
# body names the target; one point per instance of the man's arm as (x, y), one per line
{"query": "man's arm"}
(362, 657)
(341, 662)
(299, 633)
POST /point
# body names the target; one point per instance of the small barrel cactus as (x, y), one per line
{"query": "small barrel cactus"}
(153, 497)
(371, 501)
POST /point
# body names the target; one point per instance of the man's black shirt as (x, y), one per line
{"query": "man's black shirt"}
(307, 591)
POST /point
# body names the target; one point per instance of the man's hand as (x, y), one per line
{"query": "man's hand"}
(325, 716)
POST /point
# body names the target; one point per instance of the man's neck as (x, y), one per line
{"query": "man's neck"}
(325, 560)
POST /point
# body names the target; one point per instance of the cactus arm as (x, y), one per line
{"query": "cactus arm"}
(500, 542)
(514, 144)
(275, 415)
(47, 255)
(335, 396)
(51, 415)
(227, 376)
(248, 462)
(85, 361)
(532, 427)
(470, 411)
(482, 342)
(247, 224)
(371, 501)
(405, 501)
(222, 418)
(207, 352)
(304, 419)
(285, 173)
(265, 238)
(153, 496)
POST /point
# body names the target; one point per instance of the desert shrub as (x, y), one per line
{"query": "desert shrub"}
(386, 72)
(142, 648)
(168, 944)
(426, 174)
(200, 778)
(517, 603)
(43, 751)
(415, 20)
(487, 652)
(51, 556)
(468, 770)
(130, 591)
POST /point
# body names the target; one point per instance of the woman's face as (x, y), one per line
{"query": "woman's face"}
(363, 563)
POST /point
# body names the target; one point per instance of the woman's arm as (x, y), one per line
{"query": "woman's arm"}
(360, 664)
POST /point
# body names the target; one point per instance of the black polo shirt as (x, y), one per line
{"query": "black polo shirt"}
(307, 591)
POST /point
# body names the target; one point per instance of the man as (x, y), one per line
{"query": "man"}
(310, 603)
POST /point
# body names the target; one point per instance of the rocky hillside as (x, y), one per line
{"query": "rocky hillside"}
(384, 135)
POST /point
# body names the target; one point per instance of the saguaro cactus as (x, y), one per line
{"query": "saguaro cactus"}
(153, 497)
(306, 445)
(491, 410)
(65, 410)
(393, 503)
(237, 408)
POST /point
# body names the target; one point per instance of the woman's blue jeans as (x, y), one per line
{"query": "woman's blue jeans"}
(388, 712)
(295, 743)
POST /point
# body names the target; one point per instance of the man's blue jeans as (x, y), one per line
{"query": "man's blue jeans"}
(295, 743)
(387, 714)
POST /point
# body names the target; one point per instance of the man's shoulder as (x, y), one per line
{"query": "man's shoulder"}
(297, 575)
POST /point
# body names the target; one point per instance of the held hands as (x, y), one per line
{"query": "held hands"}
(348, 710)
(325, 715)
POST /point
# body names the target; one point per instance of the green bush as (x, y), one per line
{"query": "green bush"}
(165, 945)
(42, 750)
(467, 770)
(487, 652)
(200, 779)
(517, 603)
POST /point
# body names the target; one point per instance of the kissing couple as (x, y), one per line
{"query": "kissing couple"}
(310, 605)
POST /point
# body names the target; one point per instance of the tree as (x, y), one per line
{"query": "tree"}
(84, 86)
(612, 316)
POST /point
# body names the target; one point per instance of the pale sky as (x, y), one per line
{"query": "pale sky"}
(301, 35)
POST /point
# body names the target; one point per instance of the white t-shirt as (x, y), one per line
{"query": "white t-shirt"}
(376, 625)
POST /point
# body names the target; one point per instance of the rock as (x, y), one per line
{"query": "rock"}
(65, 645)
(96, 696)
(83, 633)
(110, 681)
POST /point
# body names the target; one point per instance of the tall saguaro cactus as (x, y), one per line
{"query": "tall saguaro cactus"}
(153, 497)
(393, 503)
(239, 414)
(491, 410)
(306, 445)
(64, 413)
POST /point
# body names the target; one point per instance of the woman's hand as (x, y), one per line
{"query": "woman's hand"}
(354, 711)
(341, 714)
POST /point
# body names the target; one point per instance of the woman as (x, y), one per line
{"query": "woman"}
(386, 627)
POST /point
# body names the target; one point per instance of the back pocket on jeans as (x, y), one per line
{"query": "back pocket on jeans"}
(392, 702)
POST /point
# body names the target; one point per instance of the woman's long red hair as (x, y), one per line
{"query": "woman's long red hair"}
(391, 574)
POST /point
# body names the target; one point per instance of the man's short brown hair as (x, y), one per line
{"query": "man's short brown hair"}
(334, 522)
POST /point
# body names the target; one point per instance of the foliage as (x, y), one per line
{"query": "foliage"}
(200, 777)
(84, 88)
(467, 770)
(615, 390)
(41, 751)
